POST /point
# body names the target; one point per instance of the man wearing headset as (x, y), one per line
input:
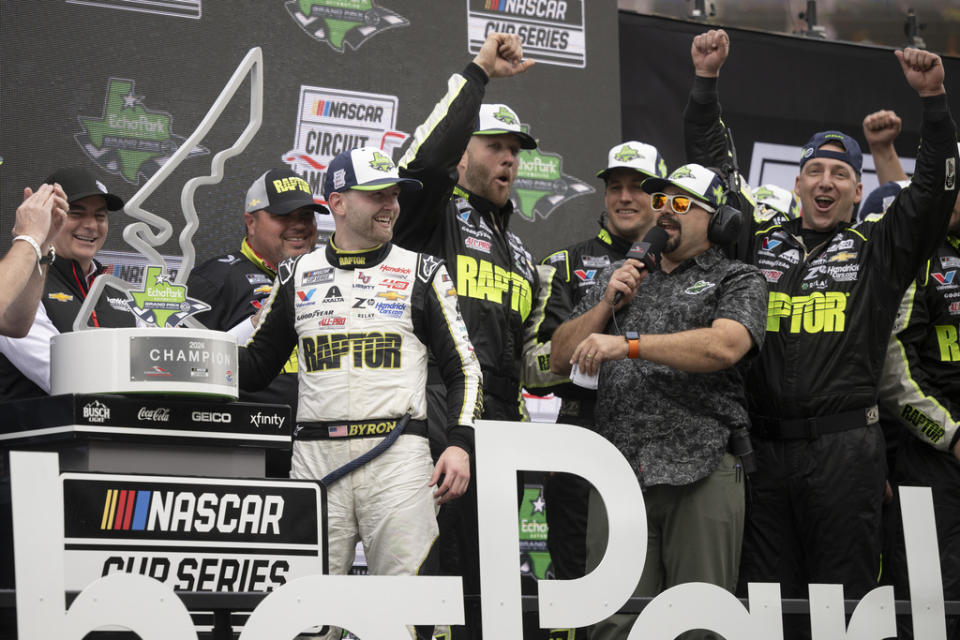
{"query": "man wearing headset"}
(671, 385)
(834, 292)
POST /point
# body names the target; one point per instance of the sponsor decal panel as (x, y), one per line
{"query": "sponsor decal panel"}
(333, 120)
(128, 139)
(342, 23)
(191, 534)
(552, 31)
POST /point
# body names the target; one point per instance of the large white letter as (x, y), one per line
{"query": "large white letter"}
(923, 563)
(147, 607)
(502, 449)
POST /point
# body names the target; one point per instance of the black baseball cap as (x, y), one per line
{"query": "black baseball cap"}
(78, 183)
(280, 191)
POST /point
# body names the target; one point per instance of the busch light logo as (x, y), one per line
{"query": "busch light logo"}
(96, 411)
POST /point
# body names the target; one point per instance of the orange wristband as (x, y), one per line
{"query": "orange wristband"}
(633, 344)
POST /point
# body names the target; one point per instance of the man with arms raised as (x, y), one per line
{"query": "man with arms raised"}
(834, 293)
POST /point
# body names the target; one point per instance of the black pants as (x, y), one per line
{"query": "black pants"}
(814, 516)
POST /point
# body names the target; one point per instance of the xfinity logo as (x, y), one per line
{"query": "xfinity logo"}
(160, 414)
(271, 420)
(211, 416)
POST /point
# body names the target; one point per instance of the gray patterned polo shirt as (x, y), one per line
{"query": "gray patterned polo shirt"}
(671, 425)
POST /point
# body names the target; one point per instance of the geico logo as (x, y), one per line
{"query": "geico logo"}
(184, 511)
(818, 312)
(205, 574)
(211, 416)
(372, 349)
(483, 280)
(947, 341)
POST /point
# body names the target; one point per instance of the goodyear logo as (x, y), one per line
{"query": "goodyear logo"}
(185, 511)
(818, 312)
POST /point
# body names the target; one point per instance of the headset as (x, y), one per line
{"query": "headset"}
(725, 223)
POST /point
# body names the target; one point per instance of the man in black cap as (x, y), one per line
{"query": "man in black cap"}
(834, 291)
(25, 362)
(279, 217)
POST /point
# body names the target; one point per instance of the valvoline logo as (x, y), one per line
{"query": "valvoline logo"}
(769, 244)
(586, 275)
(944, 278)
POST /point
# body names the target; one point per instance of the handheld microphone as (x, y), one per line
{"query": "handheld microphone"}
(647, 251)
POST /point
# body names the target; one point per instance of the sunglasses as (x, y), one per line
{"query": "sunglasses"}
(679, 203)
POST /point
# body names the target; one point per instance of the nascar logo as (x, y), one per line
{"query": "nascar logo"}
(183, 511)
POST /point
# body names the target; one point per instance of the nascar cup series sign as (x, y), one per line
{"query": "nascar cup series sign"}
(194, 535)
(333, 120)
(552, 31)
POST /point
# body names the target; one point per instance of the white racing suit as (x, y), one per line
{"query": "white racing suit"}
(363, 322)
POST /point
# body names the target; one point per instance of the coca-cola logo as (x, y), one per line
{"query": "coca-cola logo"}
(159, 414)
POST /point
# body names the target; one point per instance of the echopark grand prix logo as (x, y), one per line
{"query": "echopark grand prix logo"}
(343, 22)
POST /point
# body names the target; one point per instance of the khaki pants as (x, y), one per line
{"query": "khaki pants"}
(694, 534)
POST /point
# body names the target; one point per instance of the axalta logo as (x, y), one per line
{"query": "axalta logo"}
(260, 419)
(186, 512)
(216, 417)
(128, 139)
(96, 411)
(333, 120)
(818, 312)
(159, 414)
(343, 22)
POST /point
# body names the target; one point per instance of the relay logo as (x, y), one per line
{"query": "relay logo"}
(552, 31)
(343, 22)
(333, 120)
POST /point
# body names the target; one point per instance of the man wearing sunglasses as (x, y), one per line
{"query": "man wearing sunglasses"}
(626, 219)
(834, 293)
(669, 354)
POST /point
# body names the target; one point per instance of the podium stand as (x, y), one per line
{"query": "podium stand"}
(148, 434)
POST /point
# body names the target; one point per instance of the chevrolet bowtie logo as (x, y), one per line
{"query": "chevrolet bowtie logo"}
(391, 295)
(62, 297)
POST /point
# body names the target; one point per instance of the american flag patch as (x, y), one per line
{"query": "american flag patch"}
(338, 431)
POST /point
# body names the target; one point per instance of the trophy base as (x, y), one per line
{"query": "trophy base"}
(179, 361)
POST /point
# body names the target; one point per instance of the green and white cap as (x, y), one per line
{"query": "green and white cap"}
(639, 156)
(497, 119)
(695, 180)
(364, 169)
